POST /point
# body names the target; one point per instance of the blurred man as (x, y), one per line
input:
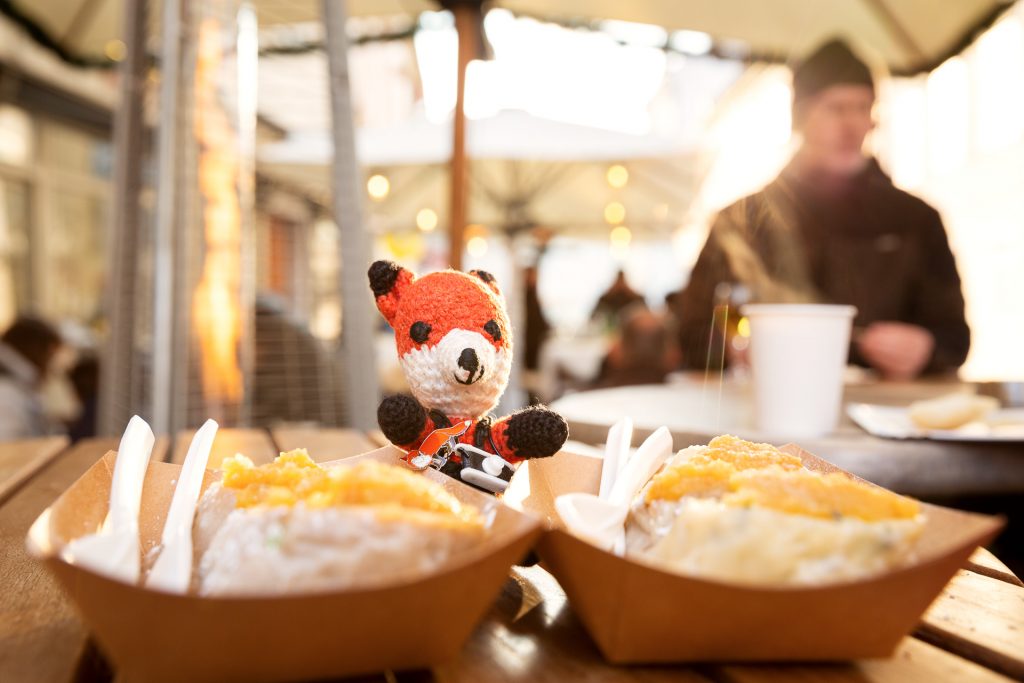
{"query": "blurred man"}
(833, 229)
(615, 299)
(645, 352)
(27, 350)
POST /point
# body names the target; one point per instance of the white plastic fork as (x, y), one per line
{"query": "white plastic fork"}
(114, 550)
(172, 571)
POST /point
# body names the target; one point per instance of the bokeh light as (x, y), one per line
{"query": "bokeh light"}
(619, 239)
(743, 327)
(614, 213)
(476, 246)
(378, 187)
(617, 176)
(426, 220)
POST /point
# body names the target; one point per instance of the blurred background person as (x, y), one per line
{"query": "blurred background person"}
(27, 350)
(645, 352)
(537, 326)
(84, 377)
(832, 228)
(615, 299)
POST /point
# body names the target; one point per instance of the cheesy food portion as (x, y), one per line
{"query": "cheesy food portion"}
(293, 526)
(747, 512)
(294, 477)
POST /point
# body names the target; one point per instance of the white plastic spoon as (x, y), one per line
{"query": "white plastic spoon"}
(600, 521)
(172, 571)
(114, 550)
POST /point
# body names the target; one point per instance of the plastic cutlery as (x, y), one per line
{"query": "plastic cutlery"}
(114, 550)
(600, 520)
(577, 513)
(172, 571)
(616, 452)
(641, 466)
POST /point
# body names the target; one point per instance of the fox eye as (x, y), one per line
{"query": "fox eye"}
(491, 328)
(419, 332)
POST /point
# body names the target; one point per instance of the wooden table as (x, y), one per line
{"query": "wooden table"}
(974, 632)
(695, 413)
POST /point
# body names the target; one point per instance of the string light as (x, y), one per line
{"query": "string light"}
(617, 176)
(476, 240)
(615, 213)
(620, 237)
(426, 220)
(476, 246)
(378, 187)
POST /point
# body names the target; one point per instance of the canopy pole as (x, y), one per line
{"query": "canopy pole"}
(467, 25)
(358, 361)
(119, 300)
(167, 247)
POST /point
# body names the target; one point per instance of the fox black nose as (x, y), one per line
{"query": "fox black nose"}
(468, 361)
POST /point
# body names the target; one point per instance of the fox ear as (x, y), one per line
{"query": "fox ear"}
(388, 280)
(488, 280)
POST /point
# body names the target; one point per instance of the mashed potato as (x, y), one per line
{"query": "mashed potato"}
(746, 512)
(292, 526)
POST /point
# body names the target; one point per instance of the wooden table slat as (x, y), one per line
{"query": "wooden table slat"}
(254, 443)
(322, 444)
(41, 637)
(531, 635)
(19, 460)
(984, 562)
(980, 619)
(913, 662)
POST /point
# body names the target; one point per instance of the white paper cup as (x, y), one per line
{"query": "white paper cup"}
(798, 354)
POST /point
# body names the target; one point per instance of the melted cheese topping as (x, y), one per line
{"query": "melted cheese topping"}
(829, 496)
(395, 493)
(746, 474)
(707, 470)
(690, 478)
(746, 455)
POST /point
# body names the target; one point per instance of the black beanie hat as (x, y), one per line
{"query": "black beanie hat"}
(831, 64)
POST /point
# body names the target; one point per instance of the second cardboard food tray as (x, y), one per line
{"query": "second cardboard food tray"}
(636, 612)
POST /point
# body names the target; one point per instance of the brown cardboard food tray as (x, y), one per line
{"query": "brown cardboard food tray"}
(155, 636)
(636, 612)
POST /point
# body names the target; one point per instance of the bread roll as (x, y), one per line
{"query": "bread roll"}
(951, 411)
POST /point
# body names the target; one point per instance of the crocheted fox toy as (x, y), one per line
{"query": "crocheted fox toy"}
(455, 346)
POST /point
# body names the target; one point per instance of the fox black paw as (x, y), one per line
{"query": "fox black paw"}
(536, 432)
(401, 418)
